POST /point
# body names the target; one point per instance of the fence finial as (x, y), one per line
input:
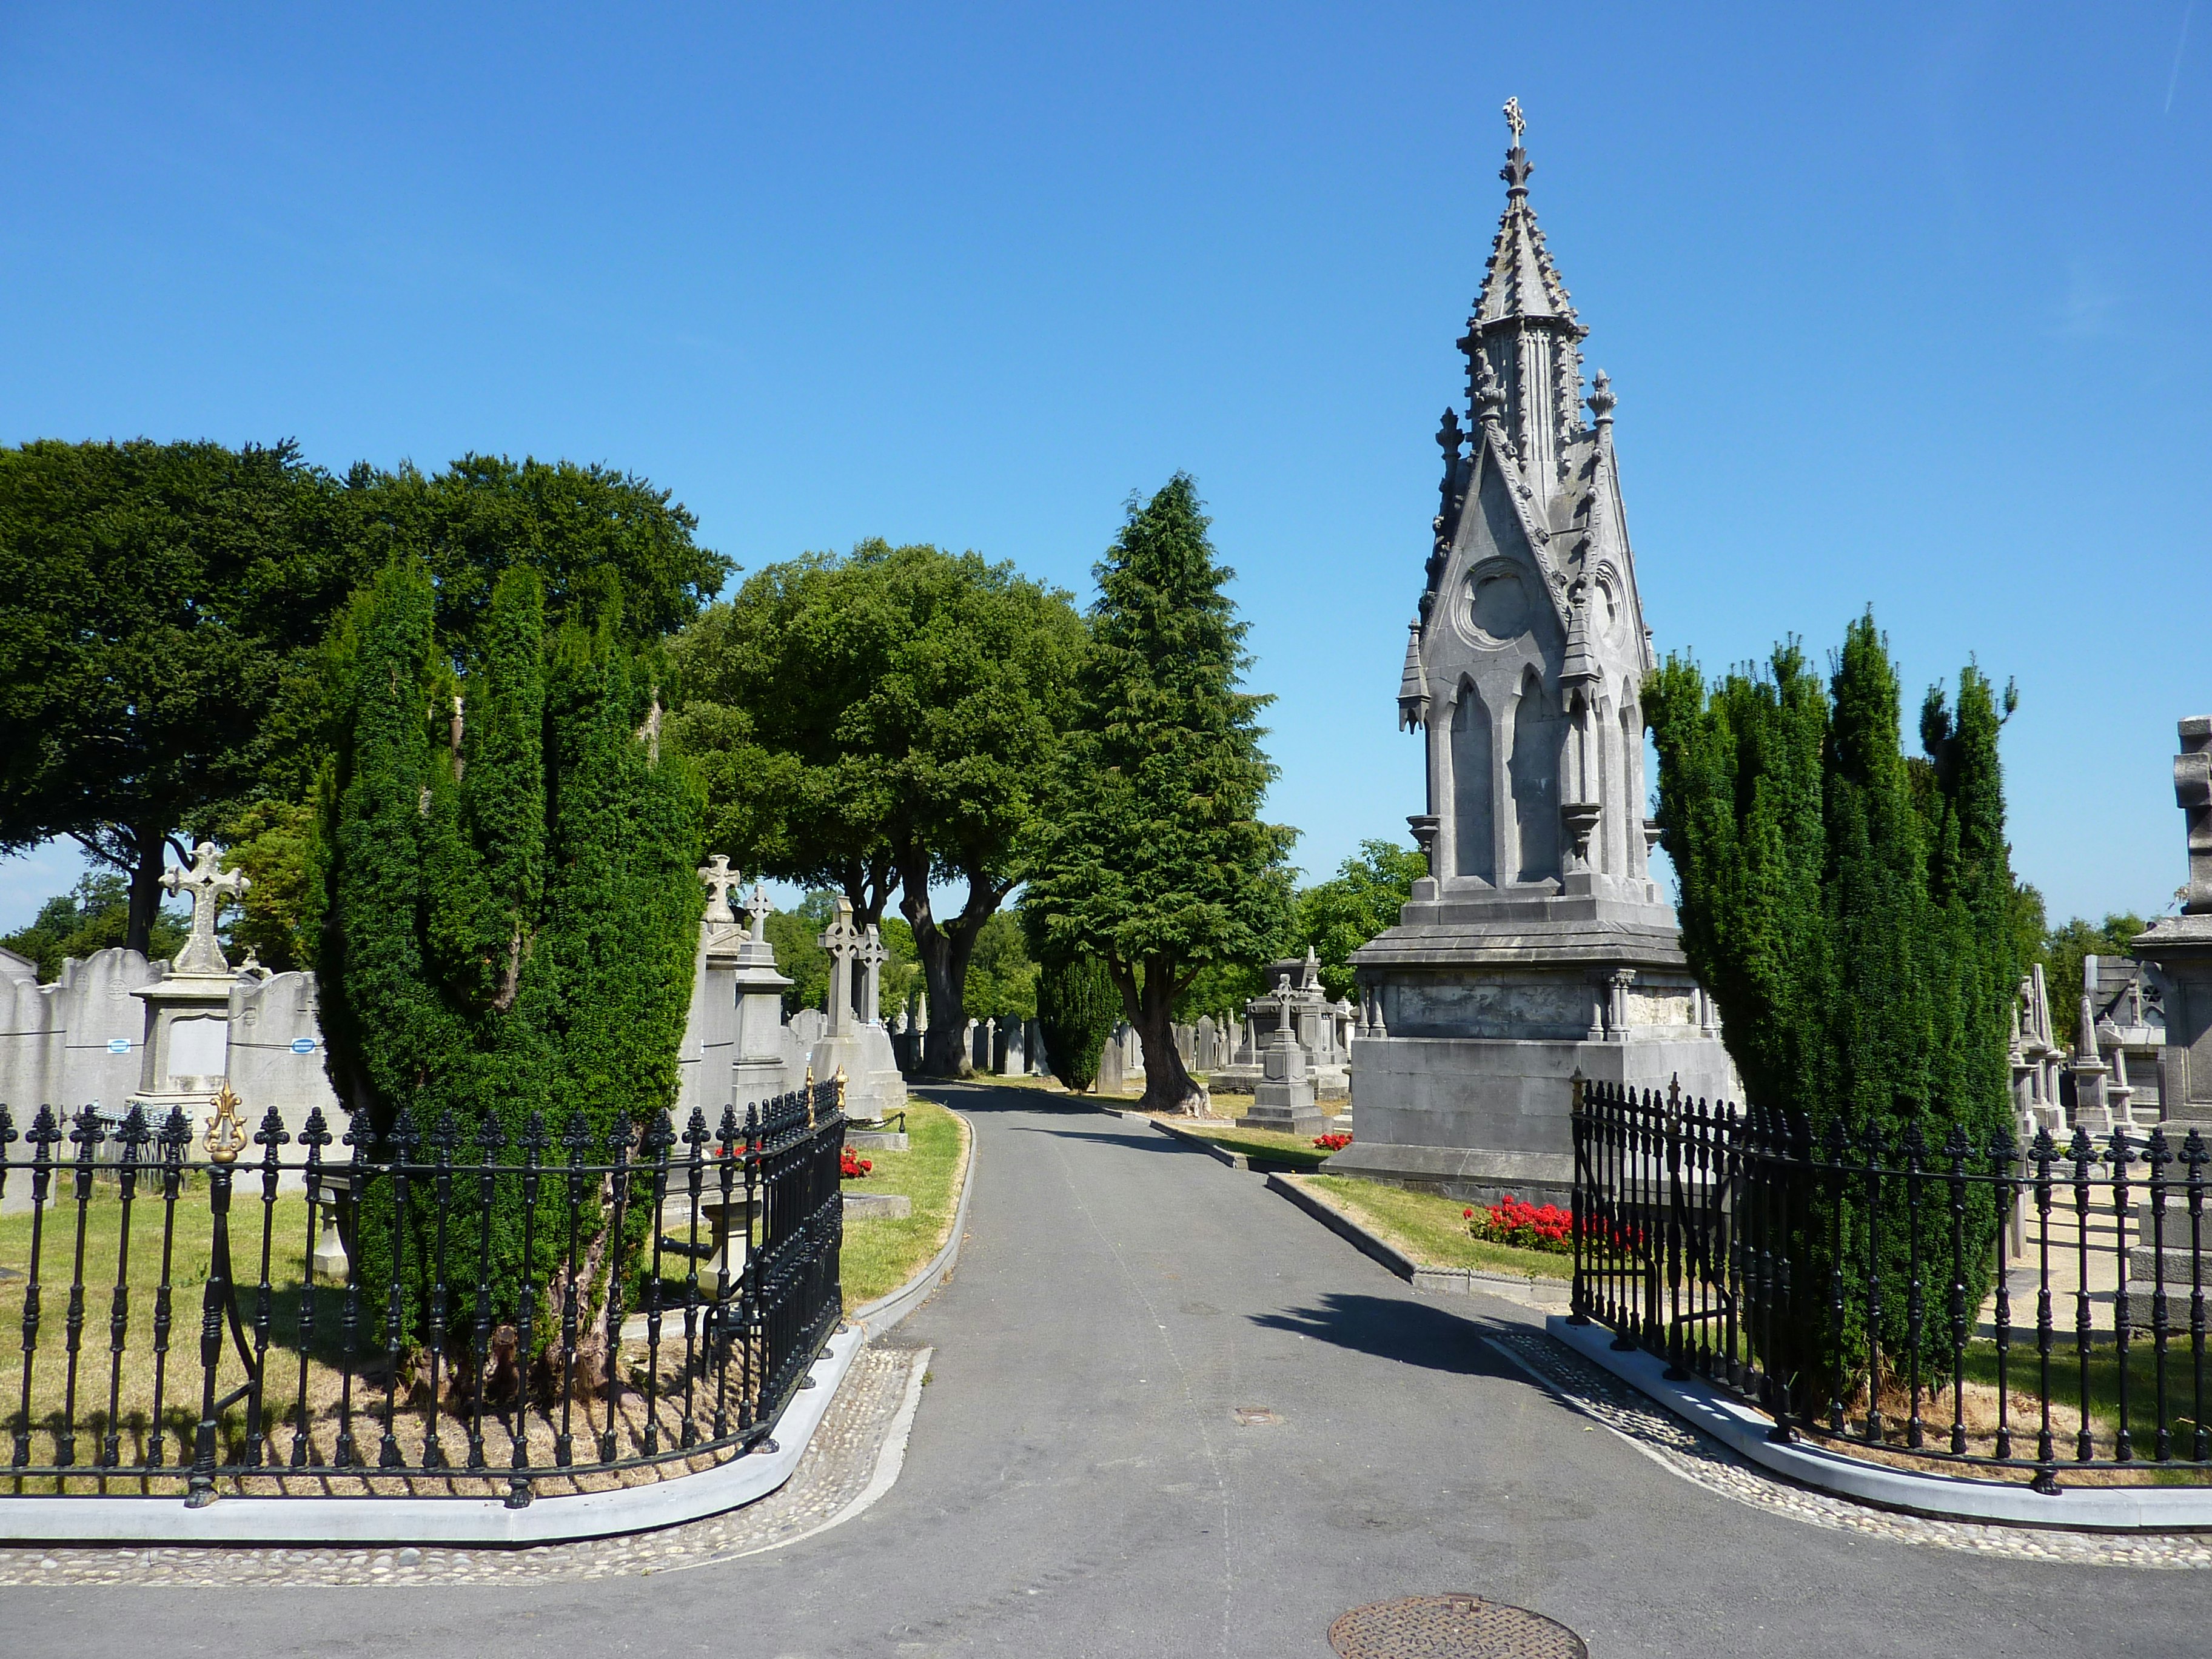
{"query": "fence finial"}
(225, 1135)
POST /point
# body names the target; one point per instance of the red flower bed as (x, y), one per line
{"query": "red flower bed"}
(852, 1166)
(1543, 1227)
(1527, 1226)
(1333, 1143)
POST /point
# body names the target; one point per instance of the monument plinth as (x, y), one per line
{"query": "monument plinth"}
(1538, 946)
(2180, 947)
(185, 1057)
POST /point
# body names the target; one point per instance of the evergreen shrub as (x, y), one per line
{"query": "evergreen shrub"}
(1077, 1009)
(1849, 910)
(508, 916)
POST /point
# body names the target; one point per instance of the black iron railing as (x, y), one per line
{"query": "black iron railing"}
(1922, 1300)
(434, 1313)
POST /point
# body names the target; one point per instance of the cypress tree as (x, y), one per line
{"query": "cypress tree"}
(1151, 855)
(1077, 1007)
(509, 919)
(1849, 909)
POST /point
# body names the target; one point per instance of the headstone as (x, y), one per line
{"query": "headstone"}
(1207, 1037)
(1110, 1080)
(769, 1058)
(1040, 1062)
(704, 1071)
(1283, 1099)
(276, 1056)
(1013, 1058)
(185, 1055)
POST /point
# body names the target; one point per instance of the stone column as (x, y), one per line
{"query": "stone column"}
(757, 1068)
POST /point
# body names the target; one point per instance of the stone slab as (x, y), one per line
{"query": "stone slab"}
(870, 1206)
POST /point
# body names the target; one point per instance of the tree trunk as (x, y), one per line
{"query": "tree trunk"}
(150, 842)
(945, 949)
(1150, 1008)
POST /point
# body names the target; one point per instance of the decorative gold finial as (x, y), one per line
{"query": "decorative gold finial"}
(1513, 119)
(225, 1135)
(841, 1090)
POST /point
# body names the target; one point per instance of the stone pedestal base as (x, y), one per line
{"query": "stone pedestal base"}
(1475, 1118)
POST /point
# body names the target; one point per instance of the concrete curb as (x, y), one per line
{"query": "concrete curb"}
(487, 1521)
(1464, 1281)
(1218, 1154)
(355, 1520)
(886, 1311)
(1948, 1498)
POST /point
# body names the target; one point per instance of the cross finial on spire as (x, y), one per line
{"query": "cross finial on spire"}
(1514, 120)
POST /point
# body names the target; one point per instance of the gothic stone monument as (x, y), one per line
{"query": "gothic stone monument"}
(2180, 947)
(1537, 946)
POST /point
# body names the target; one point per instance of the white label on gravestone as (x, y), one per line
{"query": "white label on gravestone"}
(118, 1045)
(196, 1048)
(303, 1045)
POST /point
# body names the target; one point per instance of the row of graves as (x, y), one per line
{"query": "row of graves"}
(116, 1031)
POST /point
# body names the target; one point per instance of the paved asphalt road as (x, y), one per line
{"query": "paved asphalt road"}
(1078, 1483)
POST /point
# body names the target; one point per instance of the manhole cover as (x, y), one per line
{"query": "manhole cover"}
(1254, 1417)
(1451, 1627)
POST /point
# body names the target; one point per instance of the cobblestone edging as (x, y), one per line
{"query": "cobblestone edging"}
(855, 1448)
(1671, 1443)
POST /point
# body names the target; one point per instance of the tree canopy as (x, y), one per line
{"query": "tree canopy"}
(1152, 857)
(163, 609)
(880, 723)
(154, 600)
(1363, 898)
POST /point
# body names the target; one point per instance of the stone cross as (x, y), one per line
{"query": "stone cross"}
(872, 956)
(842, 941)
(2192, 793)
(1513, 120)
(759, 909)
(715, 873)
(209, 887)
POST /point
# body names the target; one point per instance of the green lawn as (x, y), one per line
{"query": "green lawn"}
(880, 1254)
(1431, 1230)
(2024, 1373)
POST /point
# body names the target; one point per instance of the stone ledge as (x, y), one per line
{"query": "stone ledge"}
(1530, 1293)
(1949, 1498)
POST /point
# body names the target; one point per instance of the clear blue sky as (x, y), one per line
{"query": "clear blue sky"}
(1905, 305)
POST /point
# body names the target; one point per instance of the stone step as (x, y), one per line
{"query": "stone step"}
(863, 1206)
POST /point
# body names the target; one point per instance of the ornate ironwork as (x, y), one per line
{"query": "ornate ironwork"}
(1695, 1224)
(536, 1308)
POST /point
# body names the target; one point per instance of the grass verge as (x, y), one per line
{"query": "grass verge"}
(881, 1253)
(1431, 1230)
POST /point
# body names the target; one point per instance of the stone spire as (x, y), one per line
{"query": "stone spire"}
(1525, 329)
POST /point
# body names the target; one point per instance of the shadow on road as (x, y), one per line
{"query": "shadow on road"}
(999, 1097)
(1410, 1332)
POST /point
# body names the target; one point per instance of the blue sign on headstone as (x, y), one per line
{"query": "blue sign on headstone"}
(303, 1045)
(118, 1045)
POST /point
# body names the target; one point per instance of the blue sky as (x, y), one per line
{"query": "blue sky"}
(1905, 306)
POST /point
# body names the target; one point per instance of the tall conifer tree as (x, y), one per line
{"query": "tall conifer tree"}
(510, 917)
(1849, 910)
(1151, 855)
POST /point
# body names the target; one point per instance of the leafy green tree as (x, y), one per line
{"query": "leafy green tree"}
(1336, 917)
(509, 914)
(799, 957)
(273, 842)
(881, 723)
(1151, 856)
(1854, 914)
(1002, 980)
(94, 915)
(608, 549)
(1077, 1009)
(158, 604)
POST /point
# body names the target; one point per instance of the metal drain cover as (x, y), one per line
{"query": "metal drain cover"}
(1454, 1627)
